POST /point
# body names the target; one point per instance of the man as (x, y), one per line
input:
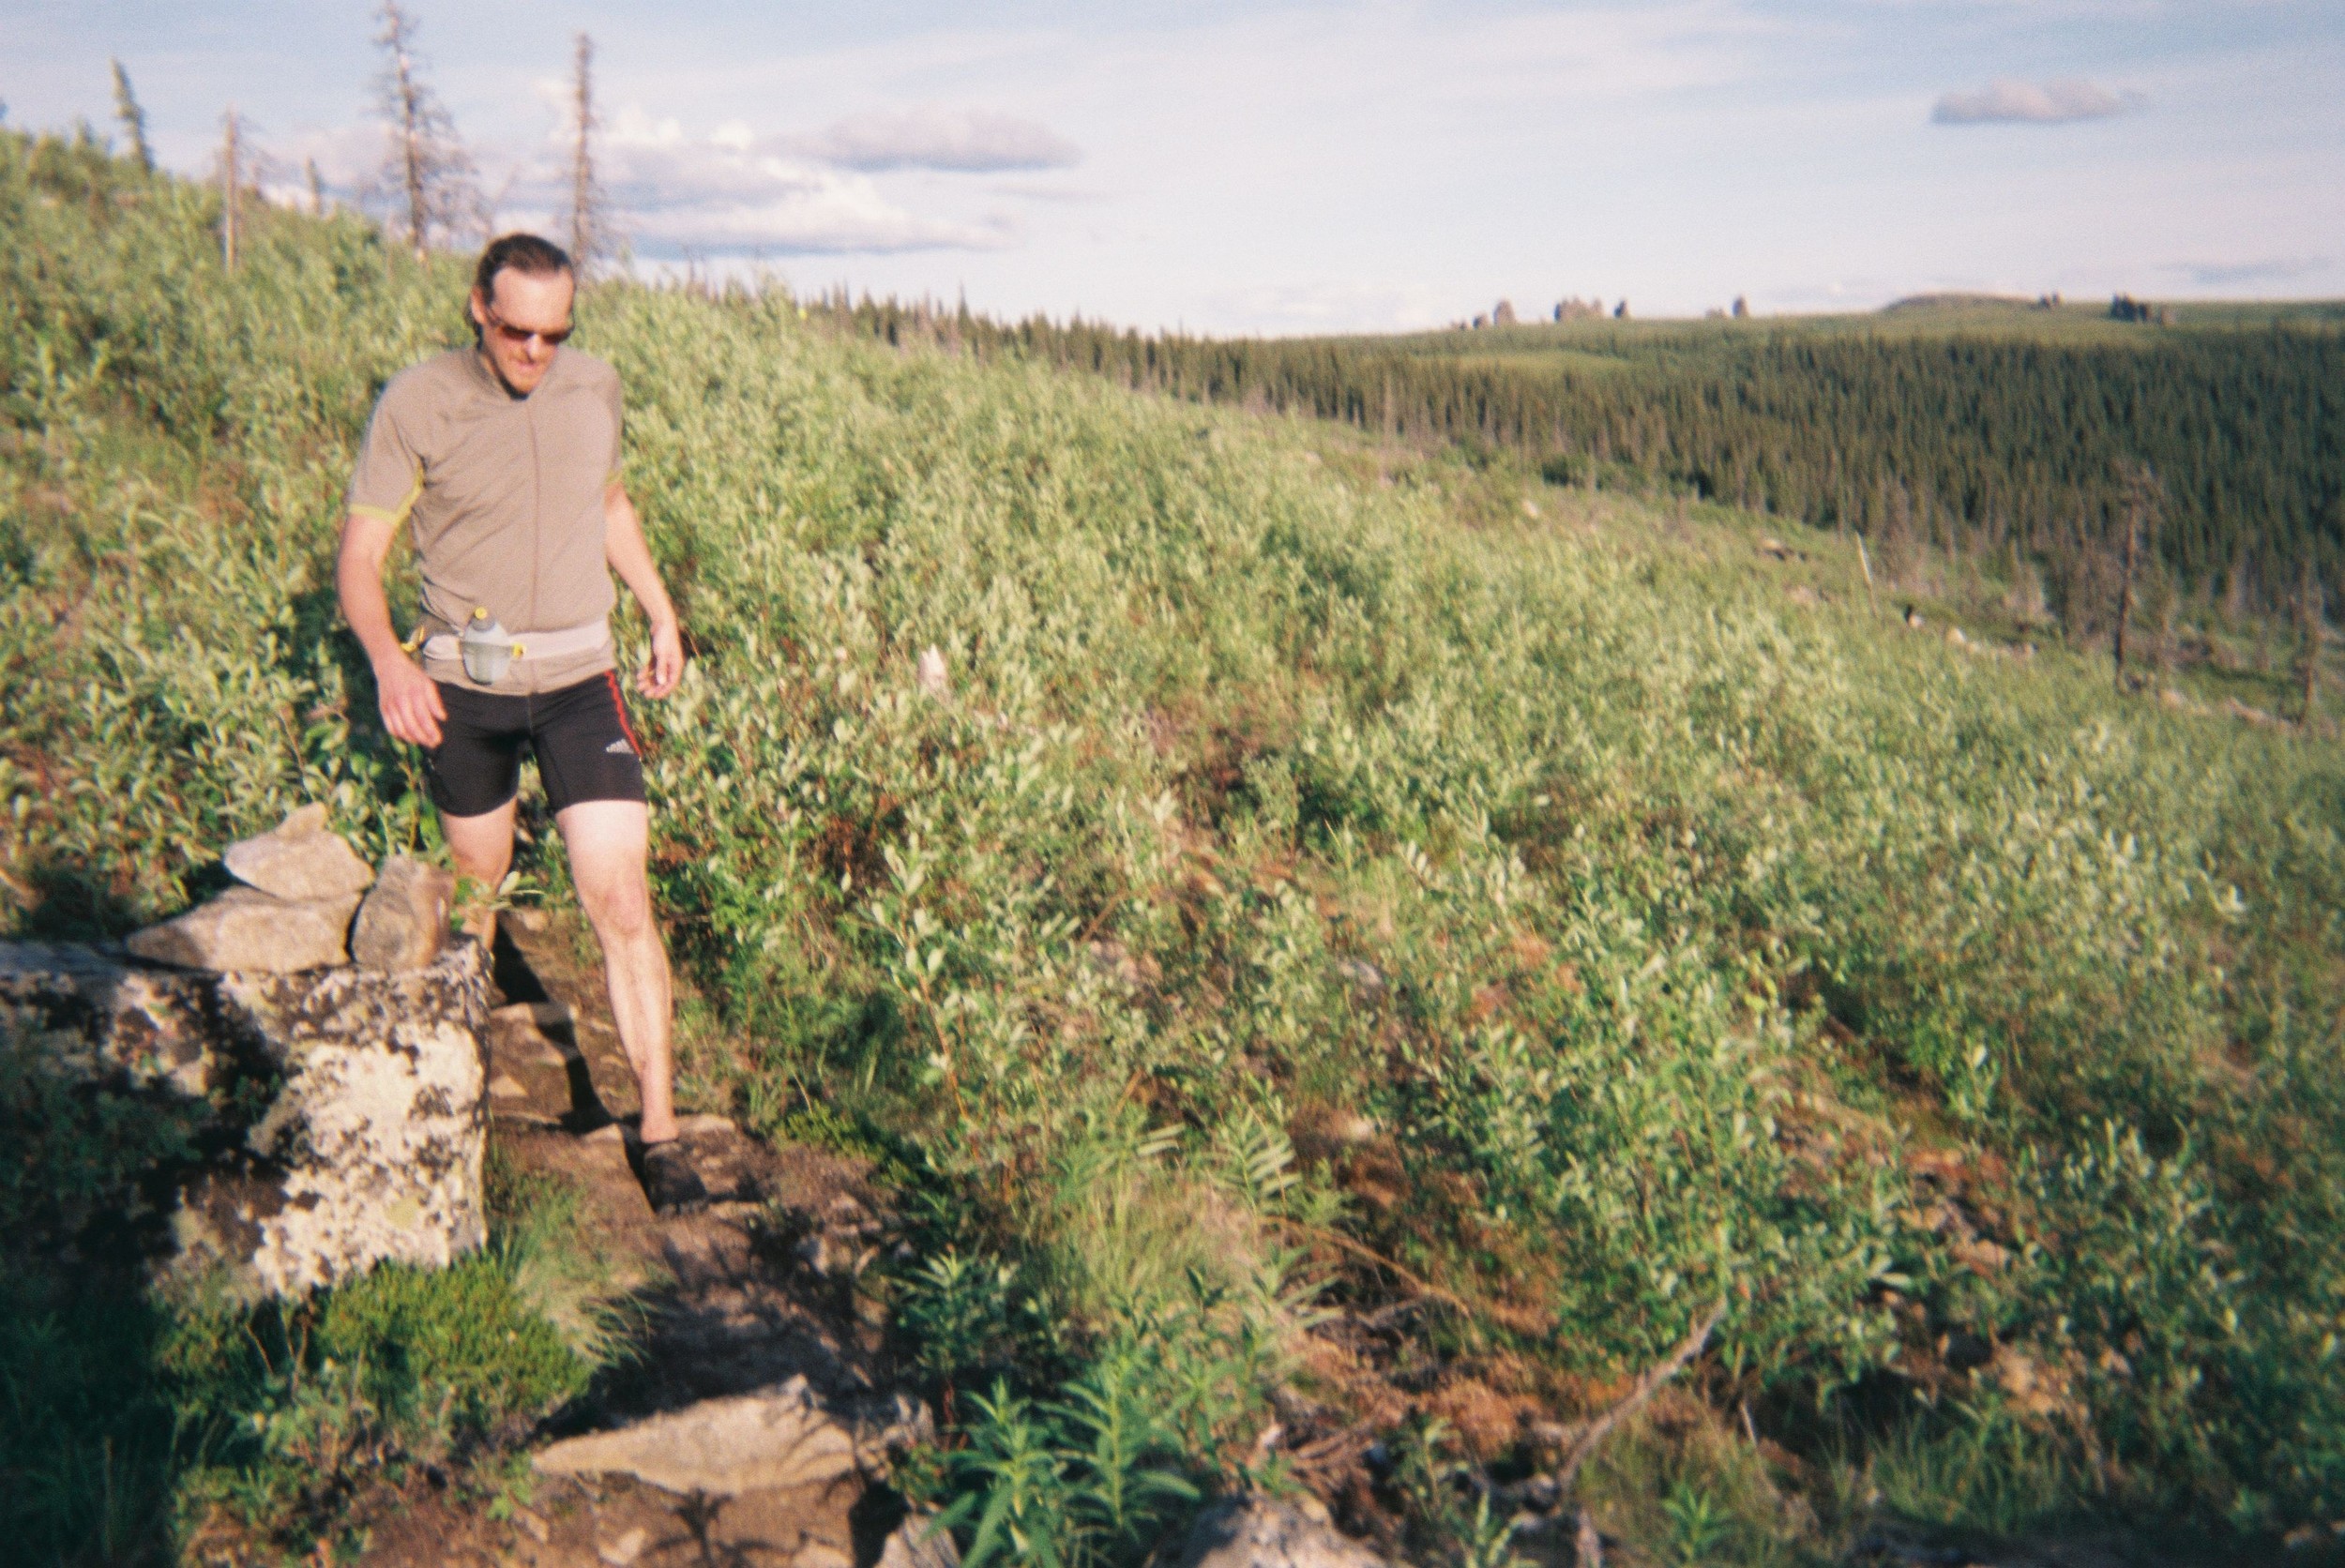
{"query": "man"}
(502, 459)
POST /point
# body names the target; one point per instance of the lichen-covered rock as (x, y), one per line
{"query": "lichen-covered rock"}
(96, 1020)
(299, 860)
(359, 1116)
(403, 922)
(371, 1148)
(248, 931)
(334, 1118)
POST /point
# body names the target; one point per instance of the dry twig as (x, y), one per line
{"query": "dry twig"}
(1647, 1387)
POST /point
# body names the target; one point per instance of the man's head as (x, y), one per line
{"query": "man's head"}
(521, 307)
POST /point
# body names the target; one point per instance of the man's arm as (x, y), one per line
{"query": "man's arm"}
(410, 701)
(624, 547)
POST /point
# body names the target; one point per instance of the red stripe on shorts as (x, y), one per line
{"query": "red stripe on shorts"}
(611, 677)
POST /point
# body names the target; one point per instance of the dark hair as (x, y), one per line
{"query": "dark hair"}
(523, 253)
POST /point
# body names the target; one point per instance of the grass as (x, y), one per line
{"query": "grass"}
(1327, 888)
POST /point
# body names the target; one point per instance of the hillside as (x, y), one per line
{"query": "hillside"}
(1993, 434)
(1370, 942)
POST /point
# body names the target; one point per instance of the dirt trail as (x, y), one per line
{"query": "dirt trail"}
(740, 1298)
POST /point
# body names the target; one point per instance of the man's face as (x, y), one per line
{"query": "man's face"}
(522, 325)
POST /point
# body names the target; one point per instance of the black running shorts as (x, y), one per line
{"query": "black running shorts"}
(585, 746)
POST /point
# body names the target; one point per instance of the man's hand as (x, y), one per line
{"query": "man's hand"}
(410, 700)
(665, 668)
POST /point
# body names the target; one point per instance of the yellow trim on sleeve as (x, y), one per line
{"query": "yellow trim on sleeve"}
(395, 515)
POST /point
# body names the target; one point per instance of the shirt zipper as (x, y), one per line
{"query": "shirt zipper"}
(537, 519)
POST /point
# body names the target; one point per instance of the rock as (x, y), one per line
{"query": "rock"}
(754, 1443)
(248, 931)
(100, 1022)
(299, 860)
(917, 1544)
(340, 1115)
(538, 1015)
(625, 1549)
(888, 1427)
(370, 1149)
(1262, 1534)
(403, 923)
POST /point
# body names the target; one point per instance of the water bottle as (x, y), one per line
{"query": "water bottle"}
(485, 647)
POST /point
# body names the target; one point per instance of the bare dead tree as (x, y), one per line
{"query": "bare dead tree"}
(588, 210)
(2141, 495)
(231, 188)
(133, 119)
(428, 172)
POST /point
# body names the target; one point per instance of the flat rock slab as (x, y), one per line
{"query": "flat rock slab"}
(778, 1441)
(246, 932)
(299, 860)
(1266, 1534)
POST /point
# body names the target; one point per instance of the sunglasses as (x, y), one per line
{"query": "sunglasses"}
(518, 336)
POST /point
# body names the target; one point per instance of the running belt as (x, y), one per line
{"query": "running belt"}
(591, 637)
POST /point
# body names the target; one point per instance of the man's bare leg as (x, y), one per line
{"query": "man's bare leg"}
(482, 848)
(608, 841)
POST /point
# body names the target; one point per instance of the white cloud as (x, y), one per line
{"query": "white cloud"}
(733, 190)
(960, 140)
(2009, 103)
(2273, 269)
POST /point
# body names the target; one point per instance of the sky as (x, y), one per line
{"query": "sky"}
(1287, 168)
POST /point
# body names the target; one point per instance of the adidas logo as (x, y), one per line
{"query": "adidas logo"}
(619, 748)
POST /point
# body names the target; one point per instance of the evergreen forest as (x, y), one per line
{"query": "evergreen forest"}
(2003, 431)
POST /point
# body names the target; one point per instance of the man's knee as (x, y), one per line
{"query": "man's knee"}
(483, 846)
(619, 906)
(484, 864)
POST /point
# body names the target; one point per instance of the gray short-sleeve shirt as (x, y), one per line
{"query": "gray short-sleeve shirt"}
(503, 497)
